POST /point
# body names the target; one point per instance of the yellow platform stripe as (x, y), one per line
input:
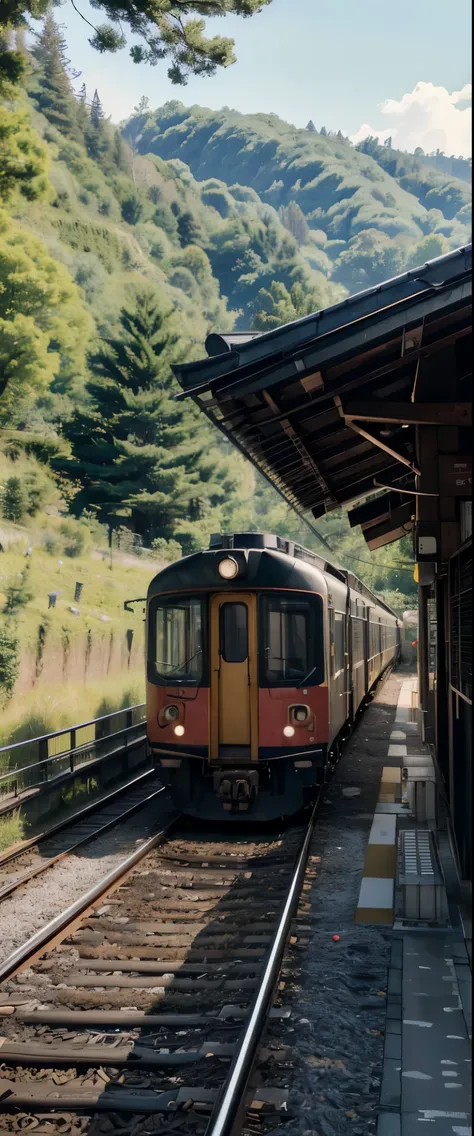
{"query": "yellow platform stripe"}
(376, 896)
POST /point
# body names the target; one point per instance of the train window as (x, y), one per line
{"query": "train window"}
(292, 641)
(234, 632)
(175, 640)
(339, 642)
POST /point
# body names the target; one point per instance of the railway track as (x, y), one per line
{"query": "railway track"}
(35, 856)
(143, 1007)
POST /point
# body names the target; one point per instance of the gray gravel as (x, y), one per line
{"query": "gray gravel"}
(337, 991)
(41, 900)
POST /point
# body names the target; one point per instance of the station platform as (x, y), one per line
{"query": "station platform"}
(410, 884)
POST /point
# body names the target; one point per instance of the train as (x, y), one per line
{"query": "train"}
(260, 656)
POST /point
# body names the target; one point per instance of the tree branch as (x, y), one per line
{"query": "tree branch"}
(86, 21)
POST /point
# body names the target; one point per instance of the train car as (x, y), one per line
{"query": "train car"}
(260, 654)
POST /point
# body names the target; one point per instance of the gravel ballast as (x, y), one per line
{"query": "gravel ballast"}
(42, 899)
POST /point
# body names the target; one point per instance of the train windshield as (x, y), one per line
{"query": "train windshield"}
(175, 642)
(293, 648)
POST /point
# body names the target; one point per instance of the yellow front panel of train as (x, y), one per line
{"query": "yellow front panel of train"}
(234, 691)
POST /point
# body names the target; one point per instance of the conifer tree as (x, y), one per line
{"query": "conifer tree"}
(53, 94)
(135, 448)
(97, 139)
(310, 126)
(14, 502)
(82, 114)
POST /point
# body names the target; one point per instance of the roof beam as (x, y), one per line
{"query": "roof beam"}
(380, 445)
(410, 413)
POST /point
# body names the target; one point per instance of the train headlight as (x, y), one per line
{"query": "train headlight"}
(171, 713)
(289, 731)
(179, 731)
(228, 568)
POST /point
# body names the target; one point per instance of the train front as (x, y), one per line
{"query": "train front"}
(237, 702)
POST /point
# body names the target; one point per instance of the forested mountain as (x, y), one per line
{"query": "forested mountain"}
(358, 215)
(121, 248)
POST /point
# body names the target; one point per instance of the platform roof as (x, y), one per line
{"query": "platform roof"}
(326, 407)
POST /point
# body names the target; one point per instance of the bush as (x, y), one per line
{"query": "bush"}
(75, 539)
(14, 500)
(38, 488)
(132, 209)
(168, 550)
(9, 662)
(51, 544)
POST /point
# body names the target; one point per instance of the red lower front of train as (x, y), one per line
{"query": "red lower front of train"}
(280, 781)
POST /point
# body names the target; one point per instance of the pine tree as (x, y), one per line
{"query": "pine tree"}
(53, 94)
(96, 137)
(82, 114)
(97, 112)
(323, 131)
(14, 500)
(310, 126)
(135, 449)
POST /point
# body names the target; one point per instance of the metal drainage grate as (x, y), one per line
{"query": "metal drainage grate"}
(421, 896)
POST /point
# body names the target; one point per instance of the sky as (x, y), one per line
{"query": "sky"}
(401, 69)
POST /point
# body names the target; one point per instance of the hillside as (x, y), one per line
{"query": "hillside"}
(368, 215)
(119, 251)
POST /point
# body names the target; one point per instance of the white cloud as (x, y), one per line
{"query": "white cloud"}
(428, 116)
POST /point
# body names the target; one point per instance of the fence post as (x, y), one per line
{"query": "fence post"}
(43, 754)
(73, 746)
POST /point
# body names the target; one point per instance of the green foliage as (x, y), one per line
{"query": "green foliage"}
(52, 90)
(9, 659)
(19, 592)
(23, 159)
(14, 500)
(133, 448)
(74, 539)
(188, 230)
(132, 209)
(167, 550)
(369, 258)
(276, 305)
(315, 183)
(430, 178)
(42, 317)
(164, 33)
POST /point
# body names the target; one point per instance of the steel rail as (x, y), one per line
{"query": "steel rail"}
(227, 1117)
(42, 937)
(101, 802)
(31, 873)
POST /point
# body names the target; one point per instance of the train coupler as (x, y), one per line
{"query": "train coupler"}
(236, 788)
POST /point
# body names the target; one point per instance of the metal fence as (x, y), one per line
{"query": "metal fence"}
(25, 765)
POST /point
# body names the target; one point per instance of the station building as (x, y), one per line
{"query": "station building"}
(367, 405)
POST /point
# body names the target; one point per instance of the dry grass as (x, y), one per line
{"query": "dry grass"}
(49, 708)
(11, 831)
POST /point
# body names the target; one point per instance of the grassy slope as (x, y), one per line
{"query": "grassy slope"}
(46, 707)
